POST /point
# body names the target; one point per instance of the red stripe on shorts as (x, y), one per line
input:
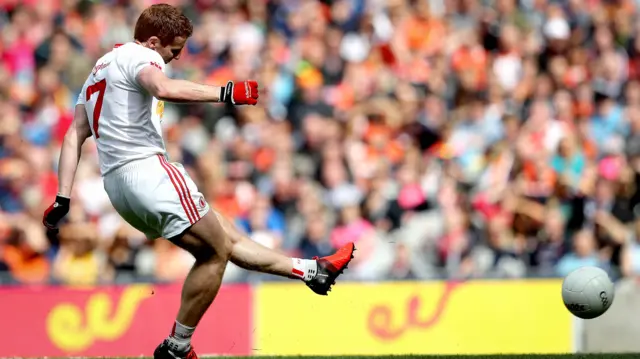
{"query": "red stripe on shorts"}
(189, 199)
(180, 194)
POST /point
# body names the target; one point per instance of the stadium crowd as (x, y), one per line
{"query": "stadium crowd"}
(447, 138)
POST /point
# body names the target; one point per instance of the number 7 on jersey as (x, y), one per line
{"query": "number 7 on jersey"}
(100, 88)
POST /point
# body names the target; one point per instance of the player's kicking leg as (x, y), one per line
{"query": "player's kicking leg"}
(213, 241)
(319, 273)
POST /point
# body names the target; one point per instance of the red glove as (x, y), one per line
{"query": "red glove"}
(244, 93)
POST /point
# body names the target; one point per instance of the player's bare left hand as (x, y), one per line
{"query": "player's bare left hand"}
(56, 212)
(241, 93)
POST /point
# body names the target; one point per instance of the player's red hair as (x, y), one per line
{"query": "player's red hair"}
(164, 21)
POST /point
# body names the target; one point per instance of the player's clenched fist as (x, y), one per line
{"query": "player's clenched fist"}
(241, 93)
(56, 212)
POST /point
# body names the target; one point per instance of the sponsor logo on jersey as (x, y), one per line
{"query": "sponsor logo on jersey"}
(99, 67)
(156, 65)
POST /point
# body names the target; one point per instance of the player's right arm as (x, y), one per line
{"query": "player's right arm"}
(164, 88)
(75, 137)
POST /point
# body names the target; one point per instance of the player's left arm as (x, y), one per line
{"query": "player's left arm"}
(75, 137)
(164, 88)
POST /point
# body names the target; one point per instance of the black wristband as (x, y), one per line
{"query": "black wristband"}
(63, 201)
(226, 93)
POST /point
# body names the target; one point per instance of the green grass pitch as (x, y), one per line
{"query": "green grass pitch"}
(493, 356)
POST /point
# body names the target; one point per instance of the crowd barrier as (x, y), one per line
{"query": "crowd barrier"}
(115, 321)
(617, 330)
(478, 317)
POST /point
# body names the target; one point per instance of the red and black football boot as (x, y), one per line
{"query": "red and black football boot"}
(164, 351)
(329, 268)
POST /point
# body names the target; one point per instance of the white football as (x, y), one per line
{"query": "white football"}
(587, 292)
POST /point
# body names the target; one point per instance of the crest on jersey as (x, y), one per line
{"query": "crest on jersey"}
(160, 109)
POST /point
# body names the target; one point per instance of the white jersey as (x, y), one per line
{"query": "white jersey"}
(124, 118)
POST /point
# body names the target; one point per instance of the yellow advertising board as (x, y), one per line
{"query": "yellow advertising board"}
(479, 317)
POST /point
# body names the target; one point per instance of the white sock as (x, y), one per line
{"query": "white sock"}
(180, 338)
(305, 269)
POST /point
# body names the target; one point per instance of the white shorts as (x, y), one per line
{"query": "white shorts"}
(156, 197)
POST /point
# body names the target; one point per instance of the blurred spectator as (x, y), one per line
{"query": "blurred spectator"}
(582, 254)
(315, 242)
(170, 263)
(78, 261)
(23, 251)
(550, 243)
(264, 224)
(124, 254)
(631, 255)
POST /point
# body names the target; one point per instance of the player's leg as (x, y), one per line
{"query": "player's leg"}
(184, 218)
(318, 273)
(210, 246)
(253, 256)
